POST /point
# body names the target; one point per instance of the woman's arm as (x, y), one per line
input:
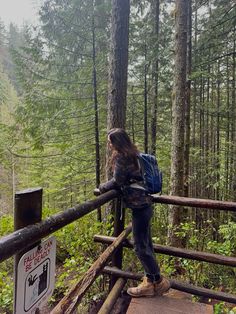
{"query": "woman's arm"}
(120, 177)
(109, 185)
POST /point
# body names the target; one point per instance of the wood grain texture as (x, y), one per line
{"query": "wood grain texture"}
(167, 305)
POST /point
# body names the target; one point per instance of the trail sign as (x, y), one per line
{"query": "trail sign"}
(36, 277)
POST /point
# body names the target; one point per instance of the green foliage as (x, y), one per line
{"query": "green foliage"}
(220, 308)
(76, 251)
(205, 274)
(6, 268)
(6, 290)
(6, 224)
(228, 245)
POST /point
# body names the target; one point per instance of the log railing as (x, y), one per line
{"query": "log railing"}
(69, 303)
(24, 238)
(194, 202)
(181, 286)
(178, 252)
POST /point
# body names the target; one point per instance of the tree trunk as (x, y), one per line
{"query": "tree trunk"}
(193, 166)
(145, 102)
(117, 88)
(179, 100)
(188, 100)
(155, 70)
(118, 66)
(207, 152)
(216, 214)
(227, 134)
(233, 131)
(96, 124)
(117, 92)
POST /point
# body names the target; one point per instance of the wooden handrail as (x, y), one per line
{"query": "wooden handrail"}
(25, 237)
(179, 252)
(181, 286)
(194, 202)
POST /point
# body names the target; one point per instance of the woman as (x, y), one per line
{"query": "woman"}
(127, 177)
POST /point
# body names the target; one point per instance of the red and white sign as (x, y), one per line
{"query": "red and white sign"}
(36, 277)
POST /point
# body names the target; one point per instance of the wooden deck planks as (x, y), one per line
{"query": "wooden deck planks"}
(168, 304)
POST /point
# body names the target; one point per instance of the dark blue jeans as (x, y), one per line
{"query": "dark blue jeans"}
(143, 241)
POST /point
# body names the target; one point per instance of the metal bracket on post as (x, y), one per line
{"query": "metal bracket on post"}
(28, 211)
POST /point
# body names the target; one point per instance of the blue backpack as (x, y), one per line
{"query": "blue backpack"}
(152, 176)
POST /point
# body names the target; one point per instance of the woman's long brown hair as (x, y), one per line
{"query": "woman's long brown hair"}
(122, 145)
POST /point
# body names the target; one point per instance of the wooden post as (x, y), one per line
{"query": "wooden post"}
(28, 211)
(112, 297)
(119, 220)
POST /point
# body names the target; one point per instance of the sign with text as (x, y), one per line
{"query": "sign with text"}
(36, 277)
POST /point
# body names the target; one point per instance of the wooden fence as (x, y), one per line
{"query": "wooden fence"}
(32, 230)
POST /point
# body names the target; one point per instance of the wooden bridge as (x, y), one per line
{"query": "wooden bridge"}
(169, 304)
(30, 230)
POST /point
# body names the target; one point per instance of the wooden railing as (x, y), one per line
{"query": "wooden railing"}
(22, 239)
(25, 237)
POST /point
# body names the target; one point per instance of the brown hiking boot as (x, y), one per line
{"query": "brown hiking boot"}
(145, 289)
(161, 287)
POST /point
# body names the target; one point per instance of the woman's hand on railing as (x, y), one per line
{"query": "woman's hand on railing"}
(96, 192)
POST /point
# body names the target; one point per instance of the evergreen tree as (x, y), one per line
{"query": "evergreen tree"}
(179, 101)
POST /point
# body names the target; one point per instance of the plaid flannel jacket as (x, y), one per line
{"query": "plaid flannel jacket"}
(124, 175)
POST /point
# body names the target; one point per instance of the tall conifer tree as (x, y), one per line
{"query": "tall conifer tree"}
(178, 109)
